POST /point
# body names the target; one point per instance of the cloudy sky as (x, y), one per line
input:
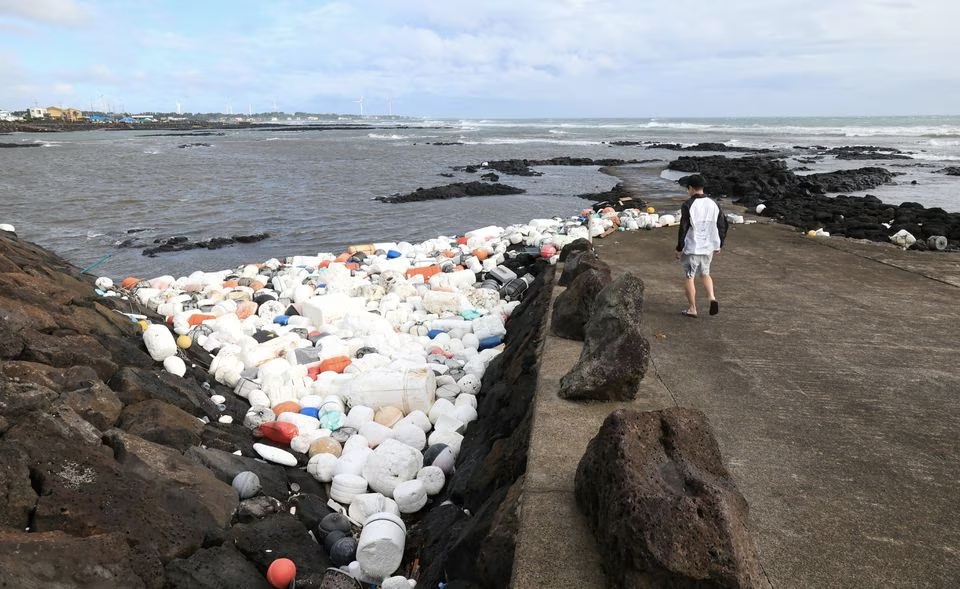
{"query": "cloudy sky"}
(484, 59)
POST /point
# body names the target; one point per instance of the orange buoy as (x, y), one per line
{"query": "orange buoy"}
(280, 432)
(281, 573)
(325, 445)
(230, 284)
(548, 250)
(481, 253)
(246, 309)
(388, 415)
(335, 364)
(198, 318)
(286, 407)
(425, 271)
(129, 282)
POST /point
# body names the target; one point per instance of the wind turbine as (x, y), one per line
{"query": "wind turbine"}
(361, 104)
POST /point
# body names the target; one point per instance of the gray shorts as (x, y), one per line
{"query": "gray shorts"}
(694, 264)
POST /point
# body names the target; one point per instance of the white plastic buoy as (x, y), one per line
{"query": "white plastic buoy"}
(175, 365)
(347, 486)
(366, 504)
(381, 544)
(390, 464)
(432, 478)
(321, 467)
(275, 455)
(159, 341)
(410, 496)
(246, 484)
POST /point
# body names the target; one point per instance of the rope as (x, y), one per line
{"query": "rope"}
(97, 263)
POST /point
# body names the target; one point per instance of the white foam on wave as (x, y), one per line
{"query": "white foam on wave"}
(532, 140)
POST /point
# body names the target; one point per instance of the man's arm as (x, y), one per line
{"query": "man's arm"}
(722, 225)
(684, 224)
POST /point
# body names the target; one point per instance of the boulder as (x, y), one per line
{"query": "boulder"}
(276, 536)
(615, 353)
(56, 559)
(663, 509)
(572, 307)
(83, 490)
(162, 423)
(214, 568)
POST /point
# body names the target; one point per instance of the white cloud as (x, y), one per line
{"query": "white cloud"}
(589, 57)
(44, 11)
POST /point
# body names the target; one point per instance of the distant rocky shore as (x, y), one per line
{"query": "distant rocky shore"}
(182, 126)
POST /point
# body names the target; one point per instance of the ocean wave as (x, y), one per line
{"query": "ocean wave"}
(532, 140)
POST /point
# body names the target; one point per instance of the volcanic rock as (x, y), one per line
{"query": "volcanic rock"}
(615, 353)
(663, 509)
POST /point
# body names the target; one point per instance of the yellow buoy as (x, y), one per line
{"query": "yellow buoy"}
(651, 210)
(144, 324)
(811, 233)
(184, 342)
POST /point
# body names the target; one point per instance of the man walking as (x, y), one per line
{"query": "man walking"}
(703, 227)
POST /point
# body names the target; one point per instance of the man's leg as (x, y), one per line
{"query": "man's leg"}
(708, 286)
(690, 289)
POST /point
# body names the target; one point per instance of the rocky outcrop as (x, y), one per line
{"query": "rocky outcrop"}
(804, 202)
(615, 353)
(663, 509)
(455, 190)
(586, 275)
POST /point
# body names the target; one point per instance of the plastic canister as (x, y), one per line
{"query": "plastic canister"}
(381, 544)
(408, 389)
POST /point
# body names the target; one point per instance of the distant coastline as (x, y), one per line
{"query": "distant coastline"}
(7, 127)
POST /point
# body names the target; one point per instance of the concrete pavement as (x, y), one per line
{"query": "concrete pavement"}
(831, 377)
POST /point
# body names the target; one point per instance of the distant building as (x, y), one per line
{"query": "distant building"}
(35, 112)
(8, 116)
(70, 115)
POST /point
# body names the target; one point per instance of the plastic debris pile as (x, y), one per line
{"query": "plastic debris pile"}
(365, 365)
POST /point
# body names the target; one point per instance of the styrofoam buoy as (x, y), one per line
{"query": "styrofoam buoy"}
(159, 341)
(347, 486)
(375, 433)
(246, 484)
(410, 496)
(398, 582)
(381, 545)
(432, 478)
(352, 461)
(175, 365)
(258, 415)
(321, 466)
(390, 464)
(410, 434)
(367, 504)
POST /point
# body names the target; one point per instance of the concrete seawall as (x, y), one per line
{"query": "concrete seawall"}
(830, 378)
